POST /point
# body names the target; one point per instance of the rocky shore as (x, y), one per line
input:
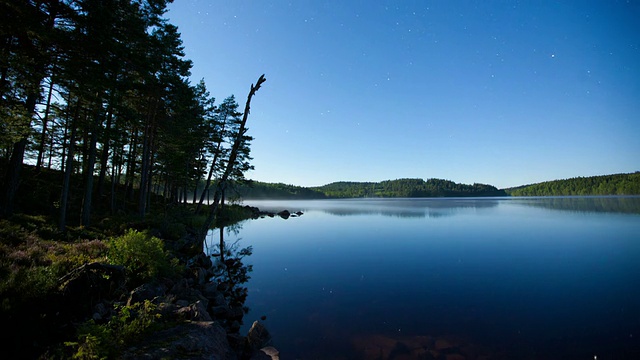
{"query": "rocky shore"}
(199, 318)
(195, 312)
(257, 213)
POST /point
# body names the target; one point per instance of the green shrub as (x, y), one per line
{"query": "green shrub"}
(66, 257)
(142, 255)
(30, 266)
(105, 341)
(24, 283)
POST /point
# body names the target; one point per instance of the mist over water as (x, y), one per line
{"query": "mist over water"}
(512, 277)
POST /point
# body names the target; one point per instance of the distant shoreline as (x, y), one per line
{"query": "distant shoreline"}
(602, 185)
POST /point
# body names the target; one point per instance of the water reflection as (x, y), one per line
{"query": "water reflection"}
(442, 207)
(582, 204)
(499, 278)
(396, 207)
(230, 270)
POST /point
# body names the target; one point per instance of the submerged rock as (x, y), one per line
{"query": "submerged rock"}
(372, 347)
(284, 214)
(273, 353)
(204, 340)
(422, 347)
(258, 337)
(443, 344)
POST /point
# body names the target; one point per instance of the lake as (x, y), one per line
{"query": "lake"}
(454, 278)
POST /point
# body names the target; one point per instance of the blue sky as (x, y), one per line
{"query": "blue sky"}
(497, 92)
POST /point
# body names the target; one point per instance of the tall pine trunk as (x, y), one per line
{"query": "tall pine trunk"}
(36, 54)
(145, 168)
(91, 162)
(15, 163)
(205, 190)
(104, 156)
(64, 197)
(45, 120)
(131, 167)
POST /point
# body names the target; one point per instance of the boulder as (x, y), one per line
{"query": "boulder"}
(210, 290)
(272, 352)
(258, 337)
(195, 312)
(200, 260)
(443, 344)
(374, 346)
(235, 313)
(100, 311)
(196, 340)
(90, 284)
(146, 292)
(255, 212)
(220, 312)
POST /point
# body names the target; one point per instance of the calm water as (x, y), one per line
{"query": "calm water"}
(532, 278)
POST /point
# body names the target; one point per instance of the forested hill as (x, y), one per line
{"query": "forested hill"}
(389, 188)
(263, 190)
(408, 188)
(616, 184)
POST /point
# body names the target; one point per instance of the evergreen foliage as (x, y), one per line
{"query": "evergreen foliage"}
(99, 91)
(105, 341)
(349, 189)
(615, 184)
(263, 190)
(407, 188)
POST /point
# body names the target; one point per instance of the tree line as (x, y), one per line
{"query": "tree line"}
(264, 190)
(345, 189)
(615, 184)
(98, 92)
(408, 188)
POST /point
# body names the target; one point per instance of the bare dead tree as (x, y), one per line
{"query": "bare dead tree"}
(231, 162)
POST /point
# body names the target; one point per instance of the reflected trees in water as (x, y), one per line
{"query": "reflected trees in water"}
(230, 271)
